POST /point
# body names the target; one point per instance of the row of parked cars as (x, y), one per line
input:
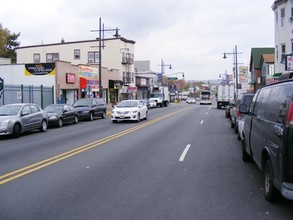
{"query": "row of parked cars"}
(17, 118)
(264, 124)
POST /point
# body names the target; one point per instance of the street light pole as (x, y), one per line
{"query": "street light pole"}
(100, 60)
(100, 52)
(162, 75)
(235, 53)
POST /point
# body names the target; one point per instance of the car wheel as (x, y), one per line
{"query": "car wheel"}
(238, 137)
(236, 129)
(271, 192)
(44, 126)
(16, 131)
(232, 124)
(60, 122)
(245, 156)
(91, 116)
(146, 115)
(75, 121)
(138, 117)
(103, 115)
(114, 121)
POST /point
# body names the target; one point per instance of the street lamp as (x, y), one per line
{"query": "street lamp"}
(162, 74)
(100, 52)
(235, 53)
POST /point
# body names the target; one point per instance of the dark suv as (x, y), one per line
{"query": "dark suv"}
(89, 108)
(235, 115)
(268, 137)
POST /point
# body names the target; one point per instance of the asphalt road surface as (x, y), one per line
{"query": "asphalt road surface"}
(184, 162)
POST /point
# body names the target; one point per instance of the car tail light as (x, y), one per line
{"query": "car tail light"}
(290, 115)
(239, 114)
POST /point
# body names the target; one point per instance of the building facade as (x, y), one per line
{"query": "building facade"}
(117, 54)
(283, 19)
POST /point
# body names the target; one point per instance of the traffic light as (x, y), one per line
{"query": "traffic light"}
(1, 84)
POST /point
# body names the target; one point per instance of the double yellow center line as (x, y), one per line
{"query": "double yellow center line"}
(44, 163)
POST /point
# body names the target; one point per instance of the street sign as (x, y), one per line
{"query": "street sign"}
(172, 78)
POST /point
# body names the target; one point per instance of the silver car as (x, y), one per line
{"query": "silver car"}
(18, 118)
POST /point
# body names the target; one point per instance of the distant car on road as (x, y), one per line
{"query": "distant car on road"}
(89, 108)
(146, 102)
(15, 119)
(235, 114)
(153, 104)
(191, 100)
(59, 114)
(130, 110)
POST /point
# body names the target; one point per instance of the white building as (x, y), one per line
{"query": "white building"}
(283, 10)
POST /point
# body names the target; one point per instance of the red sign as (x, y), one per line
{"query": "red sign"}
(70, 78)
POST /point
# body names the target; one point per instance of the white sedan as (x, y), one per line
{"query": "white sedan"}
(130, 110)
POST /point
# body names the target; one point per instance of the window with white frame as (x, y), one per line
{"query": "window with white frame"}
(37, 58)
(93, 57)
(52, 57)
(77, 54)
(282, 17)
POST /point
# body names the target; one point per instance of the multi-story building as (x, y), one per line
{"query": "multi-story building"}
(117, 53)
(283, 10)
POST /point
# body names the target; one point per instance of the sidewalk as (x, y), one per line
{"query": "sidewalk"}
(109, 109)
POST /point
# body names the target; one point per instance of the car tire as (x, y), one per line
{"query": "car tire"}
(16, 131)
(91, 116)
(146, 115)
(114, 121)
(270, 191)
(60, 123)
(103, 115)
(44, 126)
(232, 124)
(75, 121)
(138, 117)
(236, 129)
(245, 156)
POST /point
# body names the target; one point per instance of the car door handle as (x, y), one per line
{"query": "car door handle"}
(278, 130)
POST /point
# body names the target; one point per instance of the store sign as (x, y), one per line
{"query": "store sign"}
(40, 69)
(89, 72)
(70, 78)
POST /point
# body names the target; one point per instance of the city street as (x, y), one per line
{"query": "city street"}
(184, 162)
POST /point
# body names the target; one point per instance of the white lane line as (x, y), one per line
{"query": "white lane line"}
(201, 122)
(210, 107)
(184, 152)
(206, 113)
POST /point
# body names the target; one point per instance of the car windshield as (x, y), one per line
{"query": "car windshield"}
(9, 110)
(156, 95)
(82, 103)
(127, 104)
(54, 108)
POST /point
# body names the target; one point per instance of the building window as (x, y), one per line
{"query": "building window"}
(93, 57)
(283, 53)
(37, 58)
(77, 54)
(52, 57)
(282, 17)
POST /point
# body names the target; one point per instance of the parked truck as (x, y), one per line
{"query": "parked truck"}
(161, 96)
(225, 95)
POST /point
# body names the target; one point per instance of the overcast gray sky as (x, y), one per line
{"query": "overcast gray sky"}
(192, 35)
